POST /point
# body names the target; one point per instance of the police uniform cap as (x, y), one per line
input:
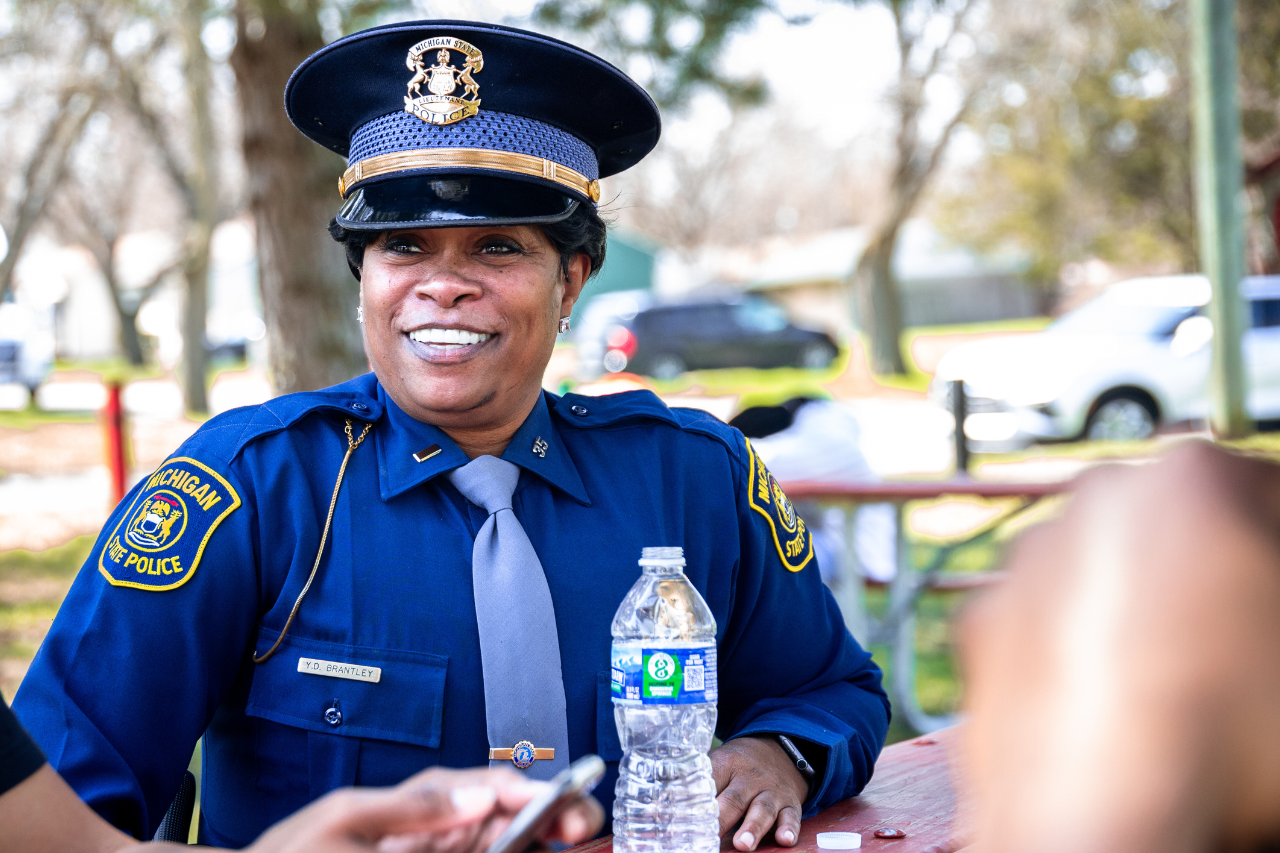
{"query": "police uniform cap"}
(528, 142)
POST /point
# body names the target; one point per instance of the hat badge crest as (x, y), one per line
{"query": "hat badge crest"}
(442, 79)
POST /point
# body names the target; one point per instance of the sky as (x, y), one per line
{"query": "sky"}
(832, 71)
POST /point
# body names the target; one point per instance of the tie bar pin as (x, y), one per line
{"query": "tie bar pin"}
(522, 755)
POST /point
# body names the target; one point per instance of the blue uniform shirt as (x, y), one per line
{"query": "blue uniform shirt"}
(198, 568)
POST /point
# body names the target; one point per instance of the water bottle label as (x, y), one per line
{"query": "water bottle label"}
(645, 674)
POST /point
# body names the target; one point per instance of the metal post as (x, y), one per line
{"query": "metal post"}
(960, 410)
(113, 425)
(1220, 203)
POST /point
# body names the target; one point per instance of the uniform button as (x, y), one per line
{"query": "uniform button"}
(580, 411)
(360, 407)
(333, 714)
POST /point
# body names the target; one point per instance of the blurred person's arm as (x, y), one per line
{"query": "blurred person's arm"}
(438, 810)
(1124, 683)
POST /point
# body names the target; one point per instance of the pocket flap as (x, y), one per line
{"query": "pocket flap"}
(384, 694)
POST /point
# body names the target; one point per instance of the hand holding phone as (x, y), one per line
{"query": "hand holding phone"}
(577, 780)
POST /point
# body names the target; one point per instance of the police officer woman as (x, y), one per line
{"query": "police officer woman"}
(419, 566)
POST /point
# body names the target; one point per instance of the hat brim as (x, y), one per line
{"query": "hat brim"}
(452, 201)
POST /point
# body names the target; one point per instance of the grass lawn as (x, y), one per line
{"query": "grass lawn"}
(31, 417)
(32, 586)
(937, 682)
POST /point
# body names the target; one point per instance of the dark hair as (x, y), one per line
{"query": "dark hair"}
(582, 232)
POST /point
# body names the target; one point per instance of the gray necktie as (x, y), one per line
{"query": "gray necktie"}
(519, 646)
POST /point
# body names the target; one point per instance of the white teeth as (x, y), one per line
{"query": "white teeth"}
(459, 337)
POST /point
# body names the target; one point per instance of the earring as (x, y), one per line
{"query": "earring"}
(359, 313)
(564, 325)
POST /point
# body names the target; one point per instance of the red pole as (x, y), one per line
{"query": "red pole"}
(113, 423)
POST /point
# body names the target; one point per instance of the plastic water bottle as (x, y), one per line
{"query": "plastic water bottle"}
(664, 702)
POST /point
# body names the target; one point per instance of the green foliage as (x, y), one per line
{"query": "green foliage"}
(1088, 143)
(682, 38)
(1088, 139)
(1259, 25)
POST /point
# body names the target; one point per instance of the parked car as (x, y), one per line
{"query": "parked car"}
(1117, 367)
(666, 340)
(599, 317)
(26, 344)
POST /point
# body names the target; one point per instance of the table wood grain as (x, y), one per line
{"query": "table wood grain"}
(911, 790)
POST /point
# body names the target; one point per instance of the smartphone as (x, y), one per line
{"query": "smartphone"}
(578, 779)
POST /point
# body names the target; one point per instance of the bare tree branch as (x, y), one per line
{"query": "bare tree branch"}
(957, 26)
(45, 171)
(154, 125)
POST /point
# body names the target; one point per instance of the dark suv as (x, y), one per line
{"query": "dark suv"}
(666, 340)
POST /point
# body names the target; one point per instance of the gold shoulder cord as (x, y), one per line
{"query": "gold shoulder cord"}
(352, 444)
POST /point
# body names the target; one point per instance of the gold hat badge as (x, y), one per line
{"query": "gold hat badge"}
(442, 80)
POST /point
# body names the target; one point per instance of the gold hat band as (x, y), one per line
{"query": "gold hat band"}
(468, 158)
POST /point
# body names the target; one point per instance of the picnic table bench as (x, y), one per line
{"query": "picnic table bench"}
(911, 791)
(897, 628)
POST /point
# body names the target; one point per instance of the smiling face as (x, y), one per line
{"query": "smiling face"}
(459, 323)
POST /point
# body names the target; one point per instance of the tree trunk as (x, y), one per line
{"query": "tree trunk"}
(878, 303)
(130, 342)
(203, 181)
(308, 294)
(195, 307)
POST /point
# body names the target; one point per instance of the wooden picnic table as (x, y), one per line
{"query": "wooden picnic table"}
(901, 492)
(911, 790)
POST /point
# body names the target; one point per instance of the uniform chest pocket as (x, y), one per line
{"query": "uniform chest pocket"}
(352, 691)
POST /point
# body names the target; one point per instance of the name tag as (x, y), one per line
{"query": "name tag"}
(334, 669)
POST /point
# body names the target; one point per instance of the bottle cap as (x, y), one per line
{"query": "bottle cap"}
(839, 841)
(662, 556)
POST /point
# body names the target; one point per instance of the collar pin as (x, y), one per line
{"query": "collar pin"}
(424, 455)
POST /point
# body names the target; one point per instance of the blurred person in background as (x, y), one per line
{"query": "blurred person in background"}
(437, 810)
(819, 440)
(317, 585)
(1123, 684)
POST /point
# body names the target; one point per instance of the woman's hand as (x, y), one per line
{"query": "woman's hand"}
(757, 783)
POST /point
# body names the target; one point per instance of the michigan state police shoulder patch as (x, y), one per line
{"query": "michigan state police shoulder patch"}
(792, 538)
(159, 542)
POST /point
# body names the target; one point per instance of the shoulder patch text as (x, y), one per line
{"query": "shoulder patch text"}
(159, 542)
(792, 538)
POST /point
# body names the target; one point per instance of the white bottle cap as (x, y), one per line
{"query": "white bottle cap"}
(663, 556)
(839, 841)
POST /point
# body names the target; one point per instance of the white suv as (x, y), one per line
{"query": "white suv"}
(1115, 368)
